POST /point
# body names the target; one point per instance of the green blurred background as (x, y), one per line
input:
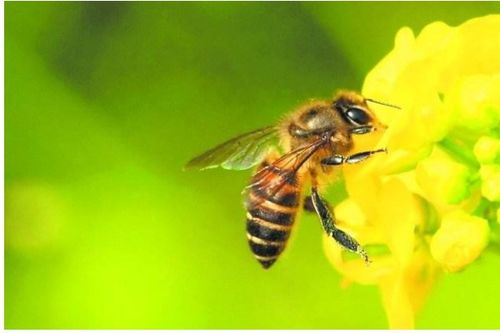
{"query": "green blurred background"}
(105, 102)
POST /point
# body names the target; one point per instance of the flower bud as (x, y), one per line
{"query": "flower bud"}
(477, 98)
(487, 150)
(442, 179)
(490, 182)
(460, 240)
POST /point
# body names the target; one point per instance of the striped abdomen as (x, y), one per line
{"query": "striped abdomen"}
(271, 212)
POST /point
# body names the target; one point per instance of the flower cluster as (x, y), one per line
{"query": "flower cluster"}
(431, 204)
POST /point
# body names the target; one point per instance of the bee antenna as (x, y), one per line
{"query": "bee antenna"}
(382, 103)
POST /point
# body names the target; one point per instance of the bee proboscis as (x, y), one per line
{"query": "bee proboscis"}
(314, 139)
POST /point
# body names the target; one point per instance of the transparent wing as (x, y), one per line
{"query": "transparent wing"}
(272, 177)
(240, 153)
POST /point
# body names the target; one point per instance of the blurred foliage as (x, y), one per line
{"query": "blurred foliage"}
(104, 103)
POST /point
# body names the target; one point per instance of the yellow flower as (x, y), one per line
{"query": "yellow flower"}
(425, 208)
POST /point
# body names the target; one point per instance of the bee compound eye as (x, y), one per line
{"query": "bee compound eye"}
(357, 116)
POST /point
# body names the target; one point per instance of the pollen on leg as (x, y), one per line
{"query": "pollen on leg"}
(349, 243)
(364, 255)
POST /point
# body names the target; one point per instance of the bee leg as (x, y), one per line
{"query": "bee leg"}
(328, 221)
(309, 206)
(356, 158)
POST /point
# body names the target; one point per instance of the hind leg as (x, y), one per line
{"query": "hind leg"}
(309, 206)
(328, 221)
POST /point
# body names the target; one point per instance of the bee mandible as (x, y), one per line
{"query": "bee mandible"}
(314, 139)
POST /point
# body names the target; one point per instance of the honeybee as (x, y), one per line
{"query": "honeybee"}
(314, 139)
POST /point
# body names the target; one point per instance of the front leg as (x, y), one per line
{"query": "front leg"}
(328, 222)
(356, 158)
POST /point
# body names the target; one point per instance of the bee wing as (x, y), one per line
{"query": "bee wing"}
(239, 153)
(272, 177)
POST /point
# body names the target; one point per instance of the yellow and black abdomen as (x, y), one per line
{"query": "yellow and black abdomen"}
(271, 214)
